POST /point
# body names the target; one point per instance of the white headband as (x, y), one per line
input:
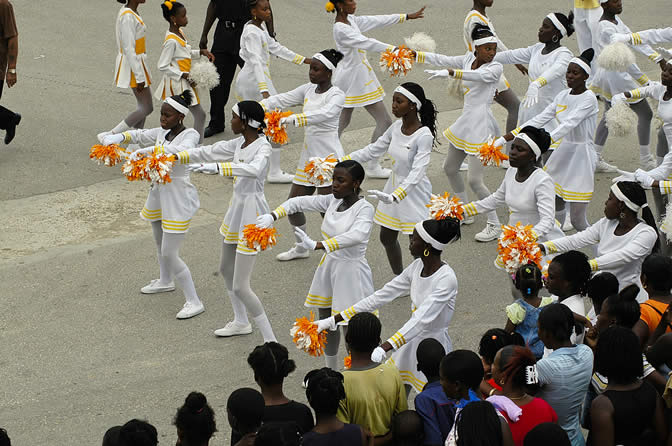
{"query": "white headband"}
(533, 145)
(251, 122)
(484, 40)
(554, 19)
(621, 196)
(177, 106)
(428, 238)
(324, 60)
(411, 97)
(582, 63)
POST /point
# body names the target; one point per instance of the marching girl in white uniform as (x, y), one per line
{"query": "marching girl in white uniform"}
(403, 200)
(322, 104)
(606, 83)
(547, 65)
(131, 67)
(623, 241)
(572, 164)
(479, 75)
(343, 276)
(171, 206)
(254, 79)
(246, 160)
(432, 285)
(175, 62)
(354, 75)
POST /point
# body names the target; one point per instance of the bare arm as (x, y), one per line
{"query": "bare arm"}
(210, 17)
(269, 23)
(12, 55)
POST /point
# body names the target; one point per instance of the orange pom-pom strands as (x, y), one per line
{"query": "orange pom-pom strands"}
(444, 206)
(258, 238)
(398, 61)
(275, 131)
(108, 155)
(305, 336)
(517, 246)
(347, 362)
(155, 168)
(320, 170)
(491, 155)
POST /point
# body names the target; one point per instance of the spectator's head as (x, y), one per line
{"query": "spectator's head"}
(510, 366)
(195, 421)
(245, 410)
(174, 12)
(657, 275)
(601, 286)
(363, 334)
(619, 309)
(478, 425)
(528, 280)
(348, 176)
(568, 274)
(556, 323)
(324, 390)
(138, 433)
(270, 363)
(618, 355)
(547, 434)
(5, 441)
(461, 371)
(492, 341)
(278, 434)
(429, 354)
(407, 429)
(111, 437)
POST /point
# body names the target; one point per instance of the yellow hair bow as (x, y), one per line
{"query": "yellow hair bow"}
(329, 7)
(169, 4)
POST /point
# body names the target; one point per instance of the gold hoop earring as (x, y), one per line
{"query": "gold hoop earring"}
(426, 252)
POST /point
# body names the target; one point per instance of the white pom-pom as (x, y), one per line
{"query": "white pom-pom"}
(455, 88)
(616, 57)
(620, 119)
(666, 226)
(205, 74)
(421, 42)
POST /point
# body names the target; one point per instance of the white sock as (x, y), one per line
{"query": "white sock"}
(239, 310)
(298, 239)
(332, 362)
(185, 282)
(121, 127)
(274, 161)
(659, 160)
(644, 152)
(598, 150)
(265, 328)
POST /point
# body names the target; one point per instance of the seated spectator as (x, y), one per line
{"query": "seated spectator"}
(657, 282)
(245, 412)
(271, 365)
(278, 434)
(630, 411)
(374, 392)
(491, 342)
(195, 421)
(547, 434)
(432, 404)
(138, 433)
(600, 286)
(407, 429)
(511, 371)
(479, 424)
(324, 390)
(565, 374)
(111, 437)
(5, 441)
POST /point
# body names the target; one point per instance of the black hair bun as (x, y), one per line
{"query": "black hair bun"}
(195, 402)
(588, 55)
(539, 136)
(186, 97)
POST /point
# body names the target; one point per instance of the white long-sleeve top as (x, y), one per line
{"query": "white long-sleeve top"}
(174, 61)
(652, 36)
(656, 90)
(621, 255)
(130, 66)
(346, 233)
(433, 301)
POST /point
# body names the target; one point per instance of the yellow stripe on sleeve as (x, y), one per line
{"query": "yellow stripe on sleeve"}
(183, 157)
(470, 209)
(593, 265)
(225, 169)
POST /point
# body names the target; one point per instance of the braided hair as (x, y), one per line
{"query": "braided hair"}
(195, 419)
(271, 363)
(576, 270)
(528, 280)
(324, 390)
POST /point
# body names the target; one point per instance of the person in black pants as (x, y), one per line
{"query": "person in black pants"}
(232, 16)
(9, 49)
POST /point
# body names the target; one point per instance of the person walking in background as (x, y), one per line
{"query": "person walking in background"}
(9, 50)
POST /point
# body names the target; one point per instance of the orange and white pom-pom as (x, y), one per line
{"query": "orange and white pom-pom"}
(155, 168)
(320, 170)
(275, 131)
(397, 62)
(305, 336)
(517, 246)
(444, 206)
(347, 362)
(491, 155)
(260, 239)
(108, 155)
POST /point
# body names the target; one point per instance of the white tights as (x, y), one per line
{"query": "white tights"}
(577, 213)
(333, 340)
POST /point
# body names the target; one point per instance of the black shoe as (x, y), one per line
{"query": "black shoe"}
(212, 131)
(11, 129)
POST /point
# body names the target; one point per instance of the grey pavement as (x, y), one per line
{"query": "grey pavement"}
(80, 348)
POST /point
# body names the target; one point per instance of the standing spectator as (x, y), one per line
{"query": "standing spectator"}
(407, 429)
(657, 282)
(245, 410)
(195, 421)
(9, 50)
(138, 433)
(547, 434)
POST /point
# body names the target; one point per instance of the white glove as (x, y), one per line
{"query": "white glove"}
(643, 178)
(291, 119)
(381, 196)
(141, 153)
(112, 139)
(500, 142)
(618, 98)
(624, 176)
(437, 73)
(102, 135)
(207, 168)
(326, 324)
(306, 242)
(667, 54)
(532, 95)
(622, 38)
(378, 355)
(264, 221)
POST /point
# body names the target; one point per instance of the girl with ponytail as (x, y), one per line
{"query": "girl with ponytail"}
(409, 141)
(195, 421)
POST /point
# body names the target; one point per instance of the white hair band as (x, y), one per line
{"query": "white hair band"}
(582, 63)
(327, 63)
(177, 106)
(428, 238)
(556, 22)
(530, 142)
(411, 97)
(251, 122)
(484, 40)
(621, 196)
